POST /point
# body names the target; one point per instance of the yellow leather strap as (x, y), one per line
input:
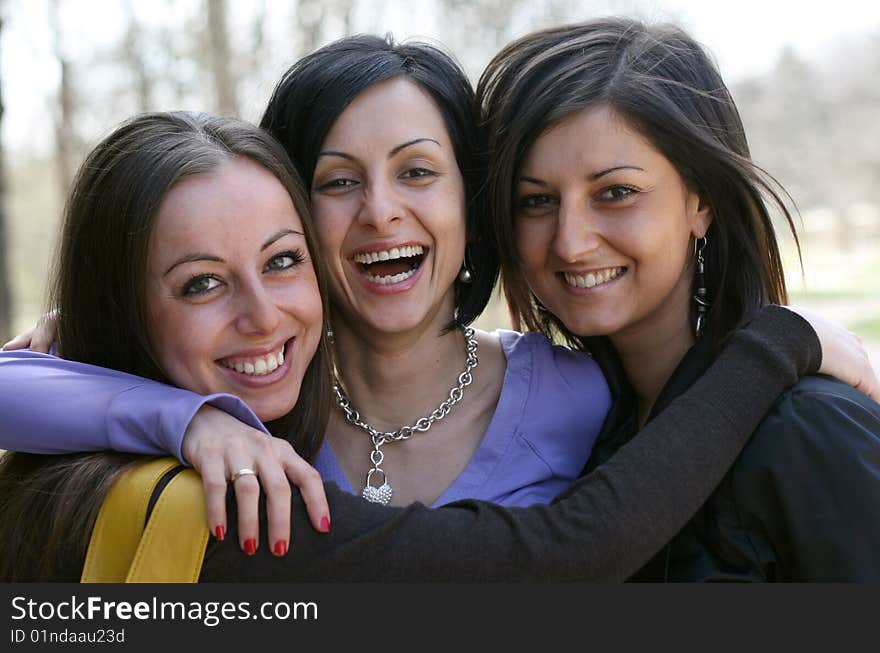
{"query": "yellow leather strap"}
(120, 522)
(171, 547)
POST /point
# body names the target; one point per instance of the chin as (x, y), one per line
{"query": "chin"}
(270, 410)
(594, 326)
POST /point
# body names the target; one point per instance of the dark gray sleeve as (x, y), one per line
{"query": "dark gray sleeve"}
(603, 528)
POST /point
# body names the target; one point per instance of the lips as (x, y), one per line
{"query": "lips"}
(255, 365)
(390, 265)
(592, 278)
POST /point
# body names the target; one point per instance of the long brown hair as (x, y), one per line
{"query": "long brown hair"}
(109, 217)
(48, 504)
(662, 81)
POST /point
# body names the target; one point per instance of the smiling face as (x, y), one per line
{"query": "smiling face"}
(389, 206)
(231, 294)
(604, 228)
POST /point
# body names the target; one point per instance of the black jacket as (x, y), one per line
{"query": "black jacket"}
(802, 501)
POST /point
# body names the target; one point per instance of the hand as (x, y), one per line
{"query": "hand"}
(843, 355)
(40, 338)
(218, 445)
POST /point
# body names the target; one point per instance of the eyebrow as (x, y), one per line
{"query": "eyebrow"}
(392, 152)
(198, 256)
(593, 177)
(403, 146)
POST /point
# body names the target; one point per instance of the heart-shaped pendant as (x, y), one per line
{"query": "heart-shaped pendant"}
(381, 494)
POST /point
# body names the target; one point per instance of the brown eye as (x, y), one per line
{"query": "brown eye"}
(339, 184)
(617, 193)
(535, 201)
(418, 173)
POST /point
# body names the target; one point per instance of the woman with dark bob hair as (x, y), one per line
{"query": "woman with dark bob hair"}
(391, 179)
(630, 219)
(192, 236)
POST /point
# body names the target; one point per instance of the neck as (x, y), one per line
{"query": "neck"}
(650, 353)
(394, 379)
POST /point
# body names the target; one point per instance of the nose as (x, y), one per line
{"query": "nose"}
(381, 207)
(576, 232)
(258, 314)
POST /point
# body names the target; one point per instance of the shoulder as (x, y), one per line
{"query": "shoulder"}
(819, 423)
(566, 394)
(557, 364)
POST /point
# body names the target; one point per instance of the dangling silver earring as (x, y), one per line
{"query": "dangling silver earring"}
(465, 275)
(329, 333)
(701, 299)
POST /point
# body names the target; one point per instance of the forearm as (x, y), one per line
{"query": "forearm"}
(52, 405)
(604, 528)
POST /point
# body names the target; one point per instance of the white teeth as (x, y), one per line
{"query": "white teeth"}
(258, 366)
(394, 278)
(389, 254)
(592, 279)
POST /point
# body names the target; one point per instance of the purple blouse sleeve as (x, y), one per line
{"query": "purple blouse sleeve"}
(52, 405)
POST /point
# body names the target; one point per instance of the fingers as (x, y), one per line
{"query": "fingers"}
(311, 487)
(247, 496)
(214, 481)
(870, 384)
(21, 341)
(223, 451)
(43, 335)
(274, 484)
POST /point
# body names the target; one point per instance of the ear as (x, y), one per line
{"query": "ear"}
(699, 215)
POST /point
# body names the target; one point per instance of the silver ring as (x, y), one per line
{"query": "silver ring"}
(244, 471)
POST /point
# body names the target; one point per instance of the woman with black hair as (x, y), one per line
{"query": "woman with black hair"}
(630, 218)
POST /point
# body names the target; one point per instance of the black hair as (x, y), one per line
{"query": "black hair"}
(316, 90)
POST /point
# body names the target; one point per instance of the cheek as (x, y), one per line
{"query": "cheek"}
(532, 242)
(182, 340)
(302, 301)
(331, 222)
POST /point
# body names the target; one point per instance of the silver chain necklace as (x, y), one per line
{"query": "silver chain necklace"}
(383, 493)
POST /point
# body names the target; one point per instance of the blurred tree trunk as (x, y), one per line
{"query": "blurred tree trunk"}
(310, 15)
(133, 55)
(219, 59)
(64, 130)
(5, 285)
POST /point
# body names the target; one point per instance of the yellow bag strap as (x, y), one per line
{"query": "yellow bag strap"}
(171, 547)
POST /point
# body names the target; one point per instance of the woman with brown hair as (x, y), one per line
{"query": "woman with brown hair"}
(630, 218)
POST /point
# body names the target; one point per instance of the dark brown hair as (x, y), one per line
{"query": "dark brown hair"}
(662, 82)
(48, 504)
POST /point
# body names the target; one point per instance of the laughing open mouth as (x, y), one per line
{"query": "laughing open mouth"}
(390, 266)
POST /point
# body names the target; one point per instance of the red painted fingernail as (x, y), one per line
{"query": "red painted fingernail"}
(280, 547)
(250, 546)
(325, 524)
(219, 532)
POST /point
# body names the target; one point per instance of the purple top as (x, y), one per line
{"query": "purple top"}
(52, 405)
(552, 404)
